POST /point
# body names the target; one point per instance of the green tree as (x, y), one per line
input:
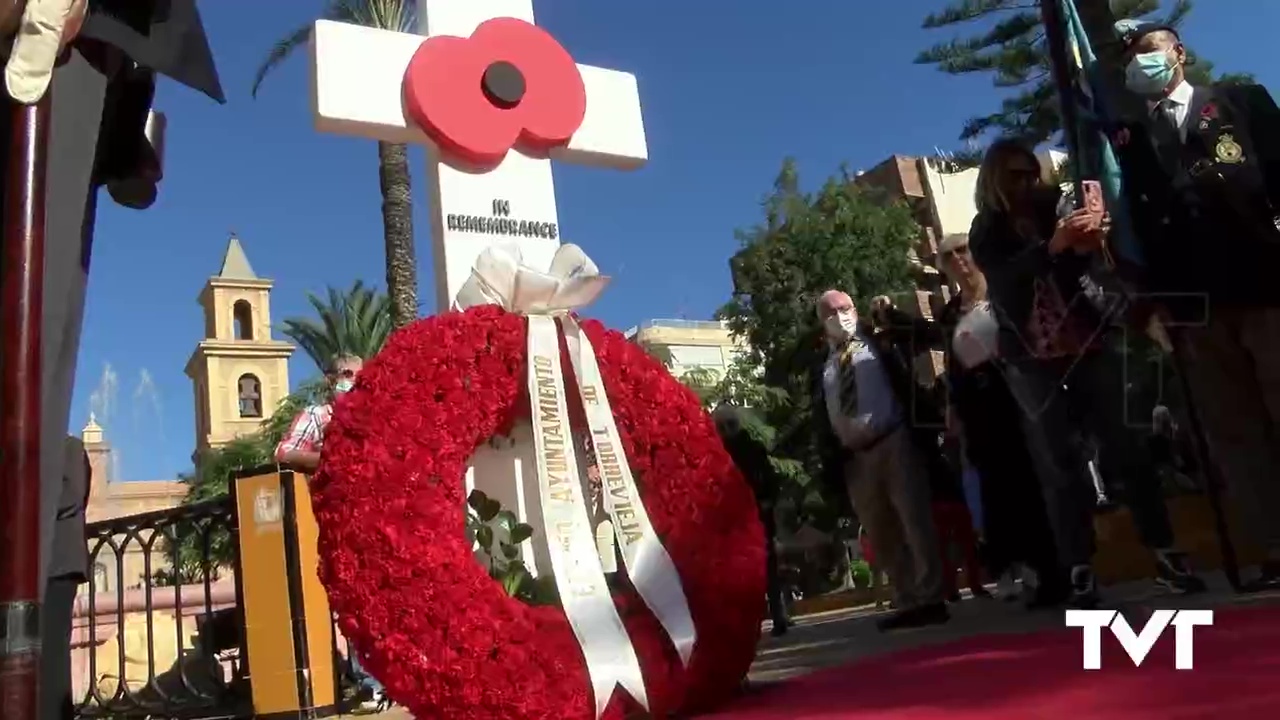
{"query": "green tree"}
(393, 158)
(357, 322)
(1011, 47)
(842, 236)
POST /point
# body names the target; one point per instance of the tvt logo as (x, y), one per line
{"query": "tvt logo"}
(1138, 645)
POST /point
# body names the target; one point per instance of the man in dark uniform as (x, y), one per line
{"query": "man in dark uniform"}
(1202, 175)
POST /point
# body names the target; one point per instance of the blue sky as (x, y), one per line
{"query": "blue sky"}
(729, 89)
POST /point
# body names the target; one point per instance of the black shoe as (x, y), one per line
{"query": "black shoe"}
(953, 596)
(1268, 579)
(1174, 574)
(1083, 593)
(981, 592)
(779, 628)
(1049, 593)
(934, 614)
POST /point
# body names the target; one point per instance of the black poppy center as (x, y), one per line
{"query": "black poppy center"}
(503, 84)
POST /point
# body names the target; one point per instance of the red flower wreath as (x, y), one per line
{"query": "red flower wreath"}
(510, 82)
(445, 638)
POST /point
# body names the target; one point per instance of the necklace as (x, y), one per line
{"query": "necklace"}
(975, 296)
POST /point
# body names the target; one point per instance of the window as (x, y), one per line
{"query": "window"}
(242, 314)
(250, 396)
(699, 355)
(100, 578)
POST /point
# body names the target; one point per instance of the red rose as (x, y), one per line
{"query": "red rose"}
(1209, 111)
(509, 83)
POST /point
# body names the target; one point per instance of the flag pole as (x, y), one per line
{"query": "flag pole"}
(1055, 38)
(21, 318)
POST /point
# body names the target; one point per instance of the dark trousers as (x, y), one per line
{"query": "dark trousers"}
(773, 579)
(1233, 366)
(55, 653)
(1015, 526)
(1063, 401)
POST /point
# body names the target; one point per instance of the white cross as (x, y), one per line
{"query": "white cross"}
(357, 90)
(356, 87)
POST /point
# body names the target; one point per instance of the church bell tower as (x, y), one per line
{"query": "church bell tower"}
(239, 373)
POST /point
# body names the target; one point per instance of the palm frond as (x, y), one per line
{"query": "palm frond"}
(279, 53)
(397, 15)
(356, 322)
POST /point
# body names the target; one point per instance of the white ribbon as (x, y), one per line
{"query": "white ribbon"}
(573, 281)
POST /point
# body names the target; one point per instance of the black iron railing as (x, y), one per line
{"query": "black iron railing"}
(159, 625)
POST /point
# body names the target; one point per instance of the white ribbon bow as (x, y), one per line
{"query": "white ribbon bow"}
(499, 277)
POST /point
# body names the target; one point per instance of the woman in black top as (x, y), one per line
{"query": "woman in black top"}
(984, 415)
(1067, 380)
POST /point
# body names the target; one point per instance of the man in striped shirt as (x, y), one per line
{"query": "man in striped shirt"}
(299, 449)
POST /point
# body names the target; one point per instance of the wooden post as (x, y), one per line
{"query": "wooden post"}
(21, 303)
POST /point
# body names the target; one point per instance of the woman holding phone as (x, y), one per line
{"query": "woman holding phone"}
(985, 417)
(1060, 361)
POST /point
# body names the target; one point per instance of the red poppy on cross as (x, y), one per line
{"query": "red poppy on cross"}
(494, 98)
(530, 92)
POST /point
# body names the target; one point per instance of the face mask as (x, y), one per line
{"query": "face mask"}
(1150, 73)
(344, 385)
(841, 325)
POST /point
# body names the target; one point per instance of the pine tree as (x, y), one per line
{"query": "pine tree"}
(1012, 49)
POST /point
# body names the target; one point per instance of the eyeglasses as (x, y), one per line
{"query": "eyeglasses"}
(346, 373)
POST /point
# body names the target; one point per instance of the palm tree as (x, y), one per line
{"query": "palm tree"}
(357, 323)
(393, 158)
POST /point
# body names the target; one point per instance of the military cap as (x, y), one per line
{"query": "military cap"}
(1131, 31)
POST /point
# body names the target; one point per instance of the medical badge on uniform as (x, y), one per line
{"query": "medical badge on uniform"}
(1228, 150)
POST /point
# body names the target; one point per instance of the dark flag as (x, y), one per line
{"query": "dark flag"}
(165, 36)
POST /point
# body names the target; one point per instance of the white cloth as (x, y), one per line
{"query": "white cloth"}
(976, 337)
(1176, 104)
(47, 25)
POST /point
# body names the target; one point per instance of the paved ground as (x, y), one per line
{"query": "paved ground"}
(844, 636)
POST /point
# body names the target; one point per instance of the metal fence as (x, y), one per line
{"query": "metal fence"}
(158, 631)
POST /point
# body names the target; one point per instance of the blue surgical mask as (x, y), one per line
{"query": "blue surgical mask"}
(1150, 73)
(343, 385)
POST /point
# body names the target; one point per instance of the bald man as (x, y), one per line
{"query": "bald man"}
(867, 394)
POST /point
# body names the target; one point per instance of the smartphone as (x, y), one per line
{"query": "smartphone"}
(1097, 207)
(1093, 200)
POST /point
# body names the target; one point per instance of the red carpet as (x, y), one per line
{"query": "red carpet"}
(1038, 677)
